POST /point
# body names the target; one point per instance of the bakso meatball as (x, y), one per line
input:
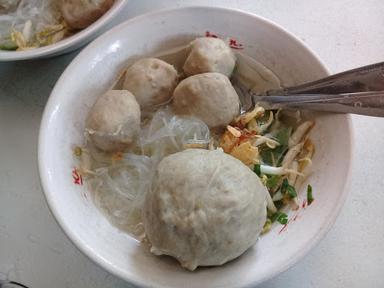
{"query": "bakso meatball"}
(151, 80)
(114, 120)
(209, 55)
(209, 96)
(205, 208)
(79, 14)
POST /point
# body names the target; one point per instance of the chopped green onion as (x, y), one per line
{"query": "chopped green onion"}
(280, 217)
(274, 157)
(309, 195)
(273, 181)
(257, 170)
(264, 119)
(283, 135)
(284, 186)
(274, 216)
(289, 189)
(279, 204)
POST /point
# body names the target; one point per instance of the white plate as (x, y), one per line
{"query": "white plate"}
(95, 69)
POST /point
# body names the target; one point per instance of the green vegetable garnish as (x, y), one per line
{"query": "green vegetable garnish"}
(273, 181)
(8, 46)
(279, 204)
(289, 189)
(257, 170)
(283, 135)
(274, 156)
(280, 217)
(264, 119)
(284, 186)
(309, 195)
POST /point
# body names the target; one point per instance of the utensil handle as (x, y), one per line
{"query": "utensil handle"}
(363, 103)
(363, 79)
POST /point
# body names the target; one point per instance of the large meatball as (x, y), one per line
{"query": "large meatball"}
(79, 14)
(205, 208)
(209, 96)
(151, 80)
(209, 55)
(114, 120)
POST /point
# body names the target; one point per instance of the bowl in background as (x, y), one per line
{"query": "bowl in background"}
(94, 70)
(73, 42)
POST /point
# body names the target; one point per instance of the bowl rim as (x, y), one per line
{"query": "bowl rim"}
(47, 189)
(66, 43)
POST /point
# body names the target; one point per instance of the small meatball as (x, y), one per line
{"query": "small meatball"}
(151, 80)
(209, 55)
(209, 96)
(205, 208)
(79, 14)
(114, 120)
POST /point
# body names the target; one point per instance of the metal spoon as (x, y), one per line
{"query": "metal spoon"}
(357, 91)
(363, 103)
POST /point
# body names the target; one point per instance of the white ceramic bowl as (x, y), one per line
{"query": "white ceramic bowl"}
(93, 71)
(71, 43)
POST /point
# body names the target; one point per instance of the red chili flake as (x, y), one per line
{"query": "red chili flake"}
(118, 156)
(77, 178)
(209, 34)
(284, 227)
(238, 125)
(233, 44)
(249, 133)
(304, 205)
(245, 137)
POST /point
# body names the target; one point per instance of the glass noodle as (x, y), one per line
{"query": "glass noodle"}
(29, 23)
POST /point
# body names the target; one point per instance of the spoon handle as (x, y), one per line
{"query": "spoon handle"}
(362, 79)
(363, 103)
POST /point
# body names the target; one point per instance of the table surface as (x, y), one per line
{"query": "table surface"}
(33, 249)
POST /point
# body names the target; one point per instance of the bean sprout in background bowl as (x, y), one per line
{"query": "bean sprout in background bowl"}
(65, 45)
